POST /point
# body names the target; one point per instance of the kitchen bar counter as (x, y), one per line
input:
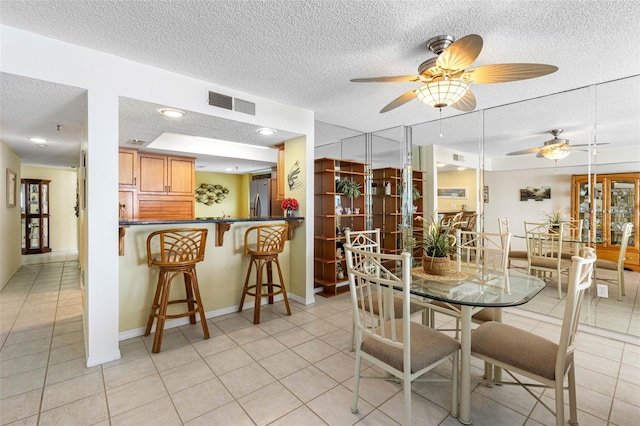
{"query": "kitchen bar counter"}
(221, 274)
(223, 224)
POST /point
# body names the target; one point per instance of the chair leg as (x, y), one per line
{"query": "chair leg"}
(454, 384)
(559, 401)
(162, 312)
(353, 335)
(154, 305)
(258, 296)
(246, 286)
(621, 291)
(559, 284)
(203, 318)
(282, 287)
(188, 289)
(356, 385)
(270, 282)
(573, 403)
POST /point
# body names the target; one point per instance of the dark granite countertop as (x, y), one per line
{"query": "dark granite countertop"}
(207, 220)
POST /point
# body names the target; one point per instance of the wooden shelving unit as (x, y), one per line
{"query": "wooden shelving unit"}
(329, 225)
(387, 207)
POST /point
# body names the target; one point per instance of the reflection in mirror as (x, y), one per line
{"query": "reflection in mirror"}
(607, 113)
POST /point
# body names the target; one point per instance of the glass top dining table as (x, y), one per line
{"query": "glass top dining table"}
(468, 290)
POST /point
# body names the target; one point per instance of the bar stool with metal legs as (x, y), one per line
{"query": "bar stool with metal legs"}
(179, 251)
(264, 243)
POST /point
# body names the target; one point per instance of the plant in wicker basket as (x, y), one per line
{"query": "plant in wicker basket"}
(438, 242)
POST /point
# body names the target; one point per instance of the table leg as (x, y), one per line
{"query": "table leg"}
(465, 365)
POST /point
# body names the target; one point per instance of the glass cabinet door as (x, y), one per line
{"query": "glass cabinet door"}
(33, 203)
(584, 209)
(622, 202)
(598, 204)
(45, 198)
(34, 233)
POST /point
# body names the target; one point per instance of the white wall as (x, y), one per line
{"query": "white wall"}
(106, 78)
(10, 247)
(504, 195)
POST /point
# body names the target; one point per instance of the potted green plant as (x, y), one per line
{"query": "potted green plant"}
(349, 188)
(555, 218)
(438, 243)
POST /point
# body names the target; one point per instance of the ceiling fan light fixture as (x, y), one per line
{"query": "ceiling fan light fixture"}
(440, 94)
(555, 153)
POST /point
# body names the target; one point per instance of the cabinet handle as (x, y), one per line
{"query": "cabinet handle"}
(135, 181)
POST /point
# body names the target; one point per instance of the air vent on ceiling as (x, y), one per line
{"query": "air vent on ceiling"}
(227, 102)
(244, 106)
(459, 158)
(136, 142)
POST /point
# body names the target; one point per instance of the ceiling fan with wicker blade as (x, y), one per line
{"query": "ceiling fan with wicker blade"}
(556, 148)
(445, 78)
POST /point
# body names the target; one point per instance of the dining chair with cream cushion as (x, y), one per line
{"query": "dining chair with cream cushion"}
(387, 338)
(369, 240)
(524, 353)
(504, 228)
(618, 266)
(544, 251)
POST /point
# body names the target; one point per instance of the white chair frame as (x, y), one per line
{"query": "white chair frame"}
(368, 276)
(518, 344)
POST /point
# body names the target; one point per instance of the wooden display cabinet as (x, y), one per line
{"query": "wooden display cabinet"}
(34, 208)
(330, 223)
(605, 203)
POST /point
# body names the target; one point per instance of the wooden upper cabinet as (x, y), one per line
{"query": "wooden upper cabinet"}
(161, 174)
(127, 168)
(153, 174)
(181, 175)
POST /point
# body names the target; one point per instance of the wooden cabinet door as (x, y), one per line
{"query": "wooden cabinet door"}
(126, 205)
(153, 174)
(127, 167)
(181, 176)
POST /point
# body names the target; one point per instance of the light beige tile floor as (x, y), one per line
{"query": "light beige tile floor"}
(293, 370)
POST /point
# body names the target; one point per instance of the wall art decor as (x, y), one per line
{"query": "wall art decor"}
(209, 194)
(293, 178)
(11, 188)
(538, 193)
(460, 192)
(485, 193)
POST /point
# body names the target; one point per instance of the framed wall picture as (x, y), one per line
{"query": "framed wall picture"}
(460, 192)
(11, 188)
(485, 193)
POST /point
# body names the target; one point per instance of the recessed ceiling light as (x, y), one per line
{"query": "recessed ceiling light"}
(173, 113)
(228, 169)
(265, 131)
(441, 164)
(462, 168)
(38, 140)
(41, 145)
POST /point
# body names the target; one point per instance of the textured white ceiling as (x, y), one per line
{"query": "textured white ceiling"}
(304, 53)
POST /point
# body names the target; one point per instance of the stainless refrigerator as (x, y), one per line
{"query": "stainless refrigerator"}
(260, 190)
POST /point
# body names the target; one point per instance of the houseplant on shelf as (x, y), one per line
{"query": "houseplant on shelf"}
(349, 188)
(288, 206)
(438, 243)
